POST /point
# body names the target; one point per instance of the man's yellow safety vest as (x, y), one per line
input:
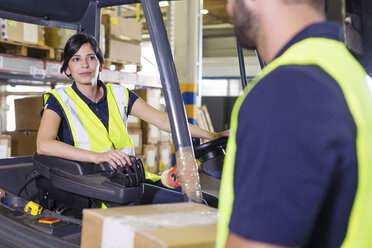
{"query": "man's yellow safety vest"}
(87, 130)
(334, 58)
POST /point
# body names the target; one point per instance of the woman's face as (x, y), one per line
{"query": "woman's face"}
(84, 65)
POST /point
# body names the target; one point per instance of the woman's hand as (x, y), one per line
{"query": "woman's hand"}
(114, 157)
(221, 134)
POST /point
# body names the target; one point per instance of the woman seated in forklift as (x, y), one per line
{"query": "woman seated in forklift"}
(87, 121)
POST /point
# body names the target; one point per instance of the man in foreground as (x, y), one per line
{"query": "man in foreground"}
(298, 169)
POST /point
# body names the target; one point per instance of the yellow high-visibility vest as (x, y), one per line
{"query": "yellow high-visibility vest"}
(87, 131)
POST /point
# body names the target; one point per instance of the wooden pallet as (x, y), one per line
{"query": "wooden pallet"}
(119, 65)
(59, 54)
(26, 50)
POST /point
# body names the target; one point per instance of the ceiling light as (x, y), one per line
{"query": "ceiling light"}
(204, 11)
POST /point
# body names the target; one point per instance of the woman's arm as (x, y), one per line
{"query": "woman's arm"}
(48, 145)
(153, 116)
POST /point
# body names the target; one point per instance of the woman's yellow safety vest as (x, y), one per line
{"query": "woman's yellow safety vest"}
(88, 132)
(334, 58)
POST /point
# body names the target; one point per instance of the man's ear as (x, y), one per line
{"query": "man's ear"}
(100, 69)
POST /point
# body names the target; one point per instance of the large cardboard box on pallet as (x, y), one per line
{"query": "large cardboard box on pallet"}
(19, 31)
(121, 28)
(136, 135)
(23, 143)
(121, 51)
(123, 39)
(5, 144)
(173, 225)
(27, 113)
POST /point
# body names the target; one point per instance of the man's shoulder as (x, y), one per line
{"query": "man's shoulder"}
(297, 88)
(297, 79)
(299, 73)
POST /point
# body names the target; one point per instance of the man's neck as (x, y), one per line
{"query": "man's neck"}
(279, 29)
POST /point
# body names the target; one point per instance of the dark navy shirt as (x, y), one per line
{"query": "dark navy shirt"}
(295, 172)
(100, 109)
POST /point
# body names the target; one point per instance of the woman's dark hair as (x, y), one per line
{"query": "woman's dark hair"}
(73, 45)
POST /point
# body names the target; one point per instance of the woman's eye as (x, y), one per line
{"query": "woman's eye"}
(75, 59)
(92, 57)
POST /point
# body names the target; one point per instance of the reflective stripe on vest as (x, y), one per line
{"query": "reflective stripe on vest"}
(87, 130)
(334, 58)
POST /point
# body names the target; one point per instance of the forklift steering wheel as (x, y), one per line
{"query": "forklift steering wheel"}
(202, 149)
(211, 156)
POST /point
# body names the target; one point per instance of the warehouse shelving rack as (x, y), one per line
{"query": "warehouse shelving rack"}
(31, 71)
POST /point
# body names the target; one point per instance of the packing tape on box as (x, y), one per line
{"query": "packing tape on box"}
(120, 232)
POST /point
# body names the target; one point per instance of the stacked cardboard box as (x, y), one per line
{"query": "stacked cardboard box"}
(156, 144)
(164, 149)
(19, 31)
(123, 38)
(27, 111)
(150, 133)
(136, 135)
(135, 132)
(152, 97)
(23, 143)
(57, 37)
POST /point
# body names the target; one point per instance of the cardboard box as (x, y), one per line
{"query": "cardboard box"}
(57, 37)
(23, 143)
(20, 32)
(150, 133)
(27, 113)
(123, 51)
(5, 145)
(165, 156)
(150, 158)
(133, 122)
(120, 28)
(163, 225)
(112, 11)
(136, 135)
(165, 137)
(13, 31)
(150, 95)
(123, 37)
